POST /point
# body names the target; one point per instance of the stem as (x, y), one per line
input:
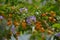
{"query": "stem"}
(47, 25)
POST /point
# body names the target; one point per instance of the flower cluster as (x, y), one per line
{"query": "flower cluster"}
(31, 19)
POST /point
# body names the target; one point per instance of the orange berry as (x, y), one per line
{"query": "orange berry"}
(9, 22)
(16, 23)
(43, 14)
(50, 32)
(10, 15)
(54, 20)
(18, 33)
(42, 29)
(38, 25)
(50, 18)
(24, 25)
(52, 13)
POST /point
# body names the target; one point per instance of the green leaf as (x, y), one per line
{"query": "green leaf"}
(56, 25)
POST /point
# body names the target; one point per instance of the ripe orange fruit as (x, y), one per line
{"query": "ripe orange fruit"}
(24, 24)
(16, 23)
(54, 20)
(50, 18)
(52, 13)
(18, 33)
(37, 28)
(10, 15)
(38, 25)
(42, 29)
(9, 22)
(43, 14)
(50, 32)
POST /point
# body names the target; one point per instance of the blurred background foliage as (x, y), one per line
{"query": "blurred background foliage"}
(33, 7)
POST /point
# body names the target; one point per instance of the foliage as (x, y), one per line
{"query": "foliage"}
(18, 11)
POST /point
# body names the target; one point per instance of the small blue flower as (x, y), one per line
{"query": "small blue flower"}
(58, 34)
(31, 19)
(23, 9)
(1, 17)
(28, 21)
(13, 29)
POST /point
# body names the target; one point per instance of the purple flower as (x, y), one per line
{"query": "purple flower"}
(31, 19)
(28, 21)
(23, 9)
(1, 17)
(13, 29)
(58, 34)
